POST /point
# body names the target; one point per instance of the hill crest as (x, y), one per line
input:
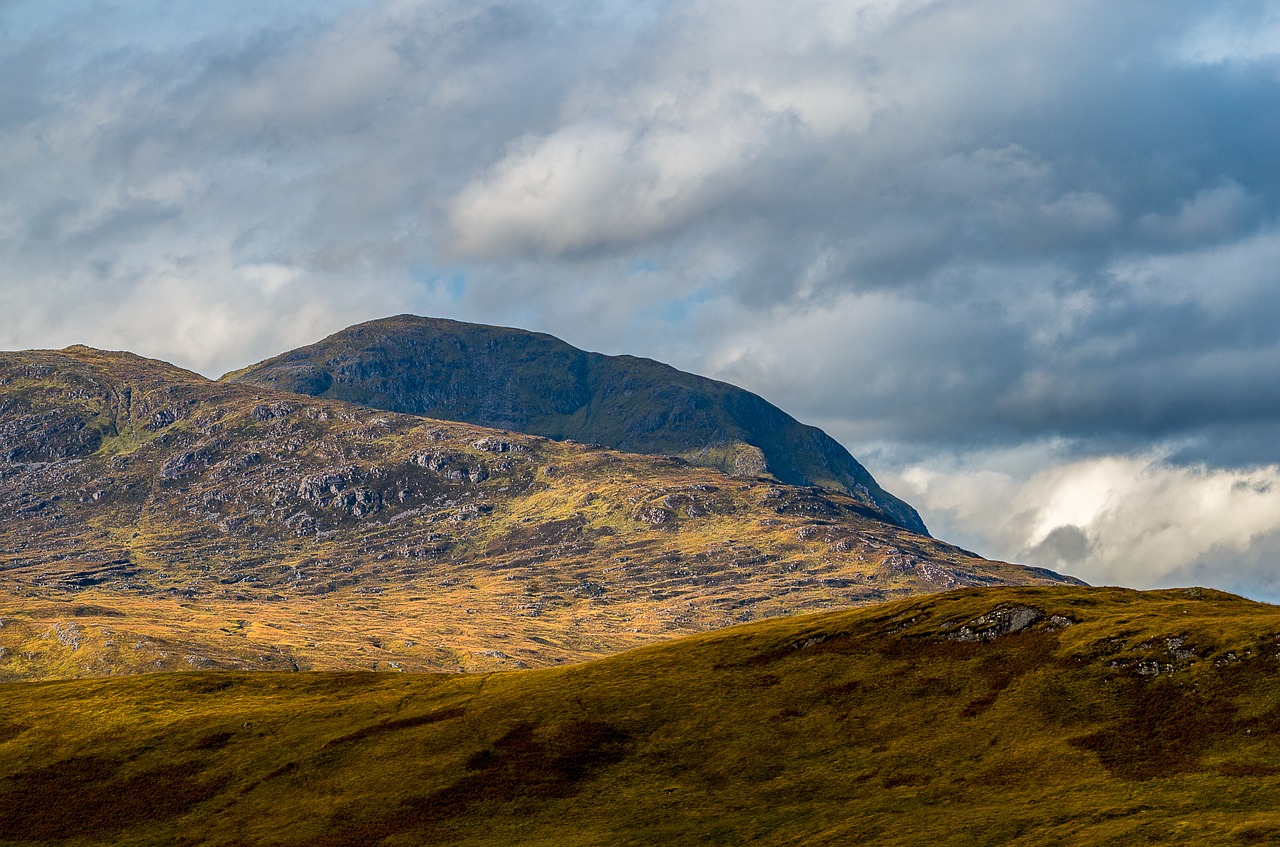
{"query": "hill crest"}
(536, 383)
(1089, 716)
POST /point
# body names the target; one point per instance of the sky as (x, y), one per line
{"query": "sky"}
(1022, 257)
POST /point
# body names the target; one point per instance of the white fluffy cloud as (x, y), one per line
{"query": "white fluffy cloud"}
(1128, 520)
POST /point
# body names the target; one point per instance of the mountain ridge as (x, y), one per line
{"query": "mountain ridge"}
(153, 519)
(534, 382)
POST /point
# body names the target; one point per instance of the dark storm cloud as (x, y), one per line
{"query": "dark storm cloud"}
(1048, 208)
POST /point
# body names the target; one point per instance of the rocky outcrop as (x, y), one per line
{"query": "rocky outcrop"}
(1006, 620)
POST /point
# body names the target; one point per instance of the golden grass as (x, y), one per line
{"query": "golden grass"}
(863, 726)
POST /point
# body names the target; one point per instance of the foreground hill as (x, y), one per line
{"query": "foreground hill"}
(530, 382)
(980, 717)
(153, 519)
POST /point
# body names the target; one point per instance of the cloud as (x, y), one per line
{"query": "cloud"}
(1214, 212)
(1130, 520)
(1240, 34)
(821, 152)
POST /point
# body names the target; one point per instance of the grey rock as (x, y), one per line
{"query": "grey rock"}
(69, 634)
(1003, 620)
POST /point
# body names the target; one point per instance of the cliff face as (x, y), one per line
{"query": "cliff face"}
(535, 383)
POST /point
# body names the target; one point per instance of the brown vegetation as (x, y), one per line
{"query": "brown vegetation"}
(1107, 717)
(151, 519)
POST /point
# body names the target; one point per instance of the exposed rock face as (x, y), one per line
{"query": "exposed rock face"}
(530, 382)
(1006, 620)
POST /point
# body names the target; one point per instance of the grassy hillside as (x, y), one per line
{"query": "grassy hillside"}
(151, 519)
(535, 383)
(1021, 716)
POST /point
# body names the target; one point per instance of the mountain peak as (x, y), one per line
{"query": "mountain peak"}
(536, 383)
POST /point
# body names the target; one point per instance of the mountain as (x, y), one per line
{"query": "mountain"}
(534, 383)
(1004, 716)
(151, 519)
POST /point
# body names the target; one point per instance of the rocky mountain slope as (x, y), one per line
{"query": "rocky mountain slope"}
(984, 718)
(153, 519)
(534, 383)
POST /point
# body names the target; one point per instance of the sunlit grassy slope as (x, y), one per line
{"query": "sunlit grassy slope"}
(151, 519)
(1006, 716)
